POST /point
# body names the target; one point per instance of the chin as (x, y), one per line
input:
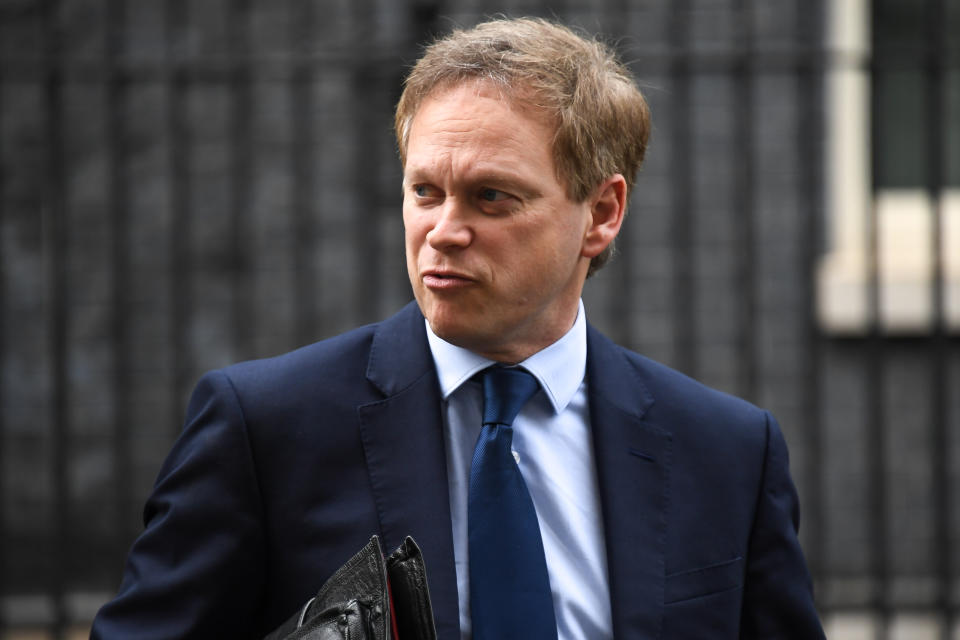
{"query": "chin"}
(462, 333)
(455, 321)
(452, 332)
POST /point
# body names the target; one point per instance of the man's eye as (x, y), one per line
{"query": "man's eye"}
(422, 190)
(492, 195)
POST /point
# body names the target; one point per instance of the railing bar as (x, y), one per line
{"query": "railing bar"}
(935, 79)
(369, 164)
(56, 240)
(743, 201)
(682, 168)
(241, 178)
(180, 302)
(875, 363)
(119, 201)
(4, 444)
(304, 159)
(809, 130)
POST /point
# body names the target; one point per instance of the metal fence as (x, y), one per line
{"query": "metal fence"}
(188, 184)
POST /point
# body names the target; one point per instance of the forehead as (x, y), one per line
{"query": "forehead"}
(480, 120)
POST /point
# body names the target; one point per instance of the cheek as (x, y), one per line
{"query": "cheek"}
(412, 248)
(412, 231)
(551, 244)
(548, 260)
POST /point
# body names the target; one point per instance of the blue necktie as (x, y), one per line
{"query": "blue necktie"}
(509, 586)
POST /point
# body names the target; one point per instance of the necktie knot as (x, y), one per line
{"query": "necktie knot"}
(505, 391)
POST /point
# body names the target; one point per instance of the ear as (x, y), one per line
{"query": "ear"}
(607, 207)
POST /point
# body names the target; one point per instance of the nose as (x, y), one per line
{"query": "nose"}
(451, 229)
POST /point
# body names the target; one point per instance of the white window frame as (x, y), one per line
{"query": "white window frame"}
(904, 217)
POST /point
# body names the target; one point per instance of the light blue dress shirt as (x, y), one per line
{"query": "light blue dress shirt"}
(554, 449)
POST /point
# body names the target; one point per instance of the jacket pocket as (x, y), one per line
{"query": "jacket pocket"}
(696, 583)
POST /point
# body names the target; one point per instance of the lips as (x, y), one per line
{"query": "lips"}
(444, 280)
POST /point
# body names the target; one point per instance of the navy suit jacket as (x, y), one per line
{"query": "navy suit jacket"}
(287, 466)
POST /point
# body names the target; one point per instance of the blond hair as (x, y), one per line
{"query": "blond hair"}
(602, 119)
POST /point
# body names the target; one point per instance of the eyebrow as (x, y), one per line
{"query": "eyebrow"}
(491, 177)
(510, 183)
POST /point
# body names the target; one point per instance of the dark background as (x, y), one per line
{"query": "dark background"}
(185, 184)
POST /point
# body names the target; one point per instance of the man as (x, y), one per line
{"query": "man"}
(664, 509)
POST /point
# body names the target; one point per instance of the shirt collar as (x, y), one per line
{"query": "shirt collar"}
(560, 367)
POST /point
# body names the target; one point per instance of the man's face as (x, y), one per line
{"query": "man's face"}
(495, 249)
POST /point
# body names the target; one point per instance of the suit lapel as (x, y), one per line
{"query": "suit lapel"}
(403, 442)
(633, 464)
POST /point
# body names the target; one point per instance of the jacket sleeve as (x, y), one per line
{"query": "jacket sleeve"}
(196, 570)
(778, 595)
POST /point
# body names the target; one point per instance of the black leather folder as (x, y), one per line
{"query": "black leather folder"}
(371, 597)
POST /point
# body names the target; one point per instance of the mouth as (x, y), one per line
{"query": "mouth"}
(444, 280)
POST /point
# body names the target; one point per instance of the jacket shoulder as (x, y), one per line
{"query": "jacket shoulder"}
(338, 371)
(342, 356)
(674, 387)
(692, 410)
